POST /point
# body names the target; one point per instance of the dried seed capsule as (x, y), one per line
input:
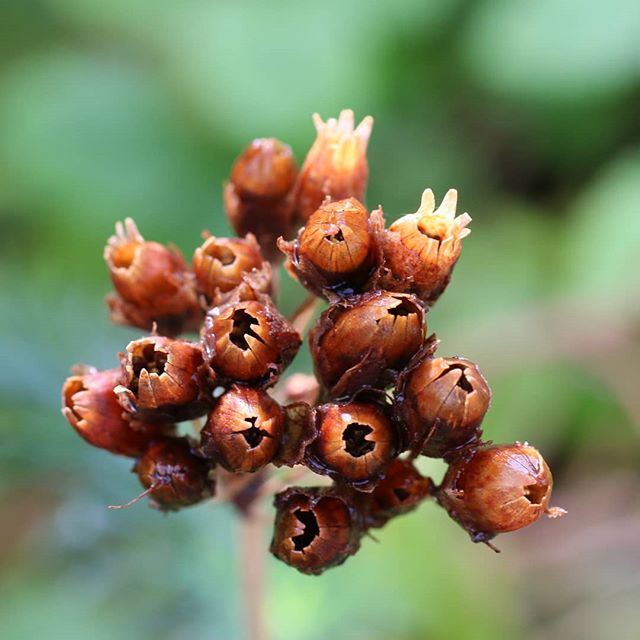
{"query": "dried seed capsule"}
(355, 443)
(173, 476)
(334, 251)
(249, 342)
(420, 249)
(365, 341)
(162, 378)
(92, 409)
(257, 197)
(401, 490)
(152, 283)
(244, 430)
(336, 164)
(497, 488)
(315, 529)
(441, 403)
(220, 263)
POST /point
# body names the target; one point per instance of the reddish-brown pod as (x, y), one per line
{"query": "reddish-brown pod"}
(497, 488)
(365, 341)
(401, 490)
(249, 342)
(173, 476)
(335, 251)
(355, 443)
(92, 409)
(244, 430)
(315, 529)
(440, 403)
(420, 249)
(220, 264)
(335, 166)
(163, 377)
(153, 285)
(257, 196)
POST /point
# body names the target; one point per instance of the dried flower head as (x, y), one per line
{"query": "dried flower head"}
(92, 409)
(315, 529)
(497, 488)
(336, 164)
(441, 402)
(249, 342)
(257, 196)
(152, 282)
(420, 249)
(364, 341)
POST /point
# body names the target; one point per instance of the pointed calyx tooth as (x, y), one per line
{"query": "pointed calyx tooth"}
(427, 203)
(448, 206)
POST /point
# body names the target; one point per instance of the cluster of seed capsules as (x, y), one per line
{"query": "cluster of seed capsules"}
(380, 396)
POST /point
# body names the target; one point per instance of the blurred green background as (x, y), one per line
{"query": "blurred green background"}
(531, 109)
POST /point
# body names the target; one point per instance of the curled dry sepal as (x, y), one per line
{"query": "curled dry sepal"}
(380, 398)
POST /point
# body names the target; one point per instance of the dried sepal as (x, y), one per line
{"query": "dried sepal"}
(244, 430)
(335, 252)
(420, 249)
(364, 341)
(440, 403)
(248, 342)
(300, 430)
(258, 196)
(163, 378)
(173, 476)
(152, 282)
(92, 409)
(336, 165)
(315, 528)
(497, 488)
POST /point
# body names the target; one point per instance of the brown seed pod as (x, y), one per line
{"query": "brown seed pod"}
(366, 340)
(334, 252)
(163, 377)
(497, 488)
(173, 476)
(244, 430)
(152, 282)
(315, 529)
(336, 164)
(92, 409)
(249, 342)
(220, 264)
(420, 249)
(257, 196)
(356, 441)
(401, 490)
(440, 403)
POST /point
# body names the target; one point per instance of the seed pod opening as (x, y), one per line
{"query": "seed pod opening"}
(152, 283)
(249, 342)
(335, 250)
(366, 341)
(244, 430)
(257, 196)
(420, 249)
(315, 529)
(162, 378)
(219, 264)
(497, 488)
(401, 490)
(174, 475)
(336, 165)
(92, 409)
(355, 443)
(441, 403)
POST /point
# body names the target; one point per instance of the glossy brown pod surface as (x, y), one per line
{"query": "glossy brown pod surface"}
(174, 475)
(92, 409)
(315, 529)
(440, 403)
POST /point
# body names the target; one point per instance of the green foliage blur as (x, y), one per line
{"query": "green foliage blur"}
(113, 108)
